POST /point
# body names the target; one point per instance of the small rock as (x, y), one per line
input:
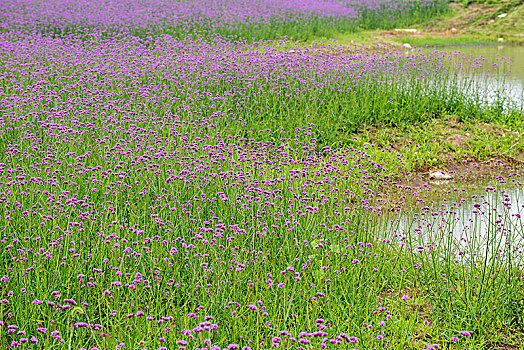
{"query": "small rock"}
(439, 175)
(407, 46)
(457, 140)
(414, 31)
(454, 30)
(502, 15)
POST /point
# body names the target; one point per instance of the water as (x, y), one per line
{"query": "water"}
(502, 70)
(486, 220)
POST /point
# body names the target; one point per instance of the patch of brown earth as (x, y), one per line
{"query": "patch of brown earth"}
(500, 346)
(471, 170)
(497, 131)
(457, 140)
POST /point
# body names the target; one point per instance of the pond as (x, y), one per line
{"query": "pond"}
(502, 69)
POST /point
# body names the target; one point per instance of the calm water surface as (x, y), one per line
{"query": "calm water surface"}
(484, 219)
(502, 71)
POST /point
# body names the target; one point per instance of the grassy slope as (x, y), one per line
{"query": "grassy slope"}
(473, 23)
(481, 21)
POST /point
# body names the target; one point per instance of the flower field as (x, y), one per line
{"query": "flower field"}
(263, 19)
(170, 179)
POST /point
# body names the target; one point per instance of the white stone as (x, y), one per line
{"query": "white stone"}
(440, 175)
(414, 31)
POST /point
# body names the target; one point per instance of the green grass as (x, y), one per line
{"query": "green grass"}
(462, 40)
(430, 144)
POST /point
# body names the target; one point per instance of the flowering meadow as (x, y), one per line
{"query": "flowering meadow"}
(263, 19)
(167, 191)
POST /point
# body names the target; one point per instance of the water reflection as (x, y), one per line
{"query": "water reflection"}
(502, 70)
(486, 223)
